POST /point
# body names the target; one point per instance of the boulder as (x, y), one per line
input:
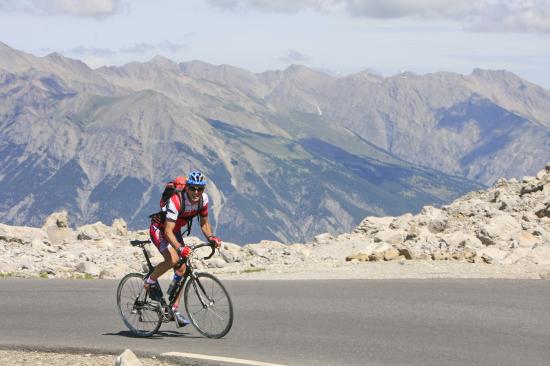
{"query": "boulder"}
(216, 262)
(540, 255)
(118, 271)
(406, 253)
(374, 223)
(492, 255)
(499, 229)
(231, 253)
(56, 220)
(527, 240)
(376, 256)
(89, 268)
(390, 236)
(299, 251)
(440, 255)
(542, 210)
(391, 254)
(128, 358)
(22, 234)
(361, 257)
(94, 231)
(8, 267)
(437, 225)
(541, 174)
(460, 240)
(402, 222)
(120, 227)
(324, 238)
(469, 253)
(61, 235)
(516, 255)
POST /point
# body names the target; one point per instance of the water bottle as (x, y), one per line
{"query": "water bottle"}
(172, 287)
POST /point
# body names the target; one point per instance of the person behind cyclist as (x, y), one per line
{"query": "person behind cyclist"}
(167, 236)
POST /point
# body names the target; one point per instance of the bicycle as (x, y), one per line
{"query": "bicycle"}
(207, 302)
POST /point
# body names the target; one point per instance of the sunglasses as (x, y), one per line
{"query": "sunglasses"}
(196, 189)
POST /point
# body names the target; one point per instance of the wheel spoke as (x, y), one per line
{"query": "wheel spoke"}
(141, 316)
(208, 305)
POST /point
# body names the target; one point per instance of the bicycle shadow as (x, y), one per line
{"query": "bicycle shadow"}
(159, 335)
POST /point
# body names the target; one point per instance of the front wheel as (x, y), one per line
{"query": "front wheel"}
(208, 305)
(141, 315)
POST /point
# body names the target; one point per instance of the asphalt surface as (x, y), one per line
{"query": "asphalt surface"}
(337, 322)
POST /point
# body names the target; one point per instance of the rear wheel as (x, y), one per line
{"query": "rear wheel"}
(141, 315)
(208, 305)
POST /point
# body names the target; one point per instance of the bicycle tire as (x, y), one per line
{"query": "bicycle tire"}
(142, 316)
(214, 317)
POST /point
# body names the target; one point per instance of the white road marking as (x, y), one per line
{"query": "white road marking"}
(221, 359)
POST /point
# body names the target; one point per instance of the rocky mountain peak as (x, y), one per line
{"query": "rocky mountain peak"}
(366, 76)
(103, 141)
(163, 63)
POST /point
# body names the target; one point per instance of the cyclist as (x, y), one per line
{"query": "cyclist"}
(180, 209)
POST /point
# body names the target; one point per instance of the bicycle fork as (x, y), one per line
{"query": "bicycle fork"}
(206, 301)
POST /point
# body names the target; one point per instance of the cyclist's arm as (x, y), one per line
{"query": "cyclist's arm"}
(205, 227)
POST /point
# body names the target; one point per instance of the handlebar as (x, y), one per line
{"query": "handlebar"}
(197, 246)
(141, 243)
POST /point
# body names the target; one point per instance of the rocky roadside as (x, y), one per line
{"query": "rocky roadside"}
(501, 232)
(12, 357)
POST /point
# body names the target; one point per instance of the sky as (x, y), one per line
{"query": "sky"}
(340, 37)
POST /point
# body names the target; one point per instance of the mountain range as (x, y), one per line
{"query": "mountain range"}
(288, 154)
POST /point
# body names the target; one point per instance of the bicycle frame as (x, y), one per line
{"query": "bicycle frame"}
(187, 274)
(207, 302)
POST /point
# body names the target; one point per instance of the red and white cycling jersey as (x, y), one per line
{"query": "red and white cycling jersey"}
(172, 209)
(173, 206)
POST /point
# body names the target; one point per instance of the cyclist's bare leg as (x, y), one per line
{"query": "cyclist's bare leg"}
(170, 260)
(180, 272)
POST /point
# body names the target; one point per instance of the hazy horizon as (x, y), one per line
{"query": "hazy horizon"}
(339, 37)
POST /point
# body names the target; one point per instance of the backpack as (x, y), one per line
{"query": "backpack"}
(175, 186)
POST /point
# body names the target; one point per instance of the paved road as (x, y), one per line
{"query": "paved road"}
(359, 322)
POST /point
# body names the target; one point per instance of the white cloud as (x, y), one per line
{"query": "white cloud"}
(78, 8)
(140, 48)
(282, 6)
(94, 51)
(476, 15)
(293, 57)
(165, 46)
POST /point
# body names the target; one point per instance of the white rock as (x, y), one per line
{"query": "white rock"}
(22, 234)
(8, 267)
(460, 240)
(94, 231)
(516, 255)
(128, 358)
(527, 240)
(390, 236)
(541, 255)
(499, 229)
(56, 220)
(231, 253)
(120, 227)
(88, 268)
(324, 238)
(216, 262)
(115, 272)
(107, 244)
(492, 255)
